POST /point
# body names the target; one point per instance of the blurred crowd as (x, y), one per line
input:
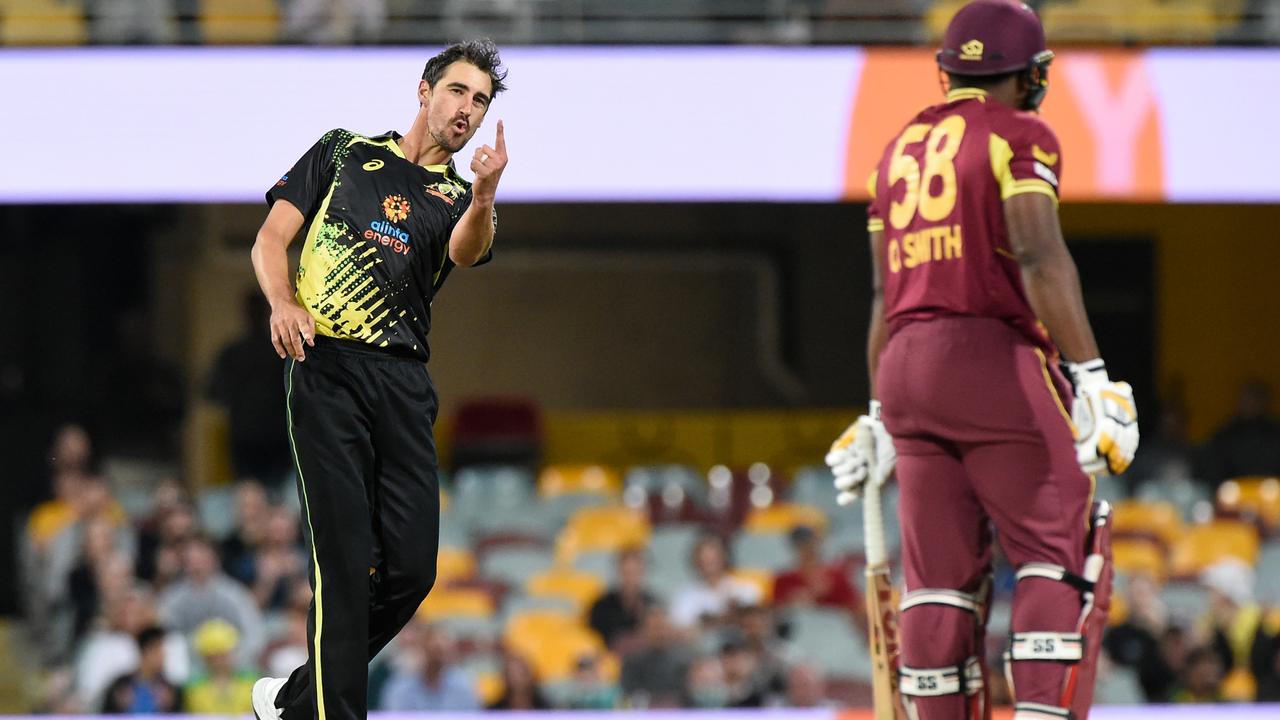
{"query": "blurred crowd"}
(165, 602)
(153, 613)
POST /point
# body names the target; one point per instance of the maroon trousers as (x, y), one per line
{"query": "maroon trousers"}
(981, 423)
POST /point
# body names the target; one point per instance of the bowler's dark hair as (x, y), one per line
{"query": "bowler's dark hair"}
(480, 52)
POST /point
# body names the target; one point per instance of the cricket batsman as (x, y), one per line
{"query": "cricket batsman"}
(977, 301)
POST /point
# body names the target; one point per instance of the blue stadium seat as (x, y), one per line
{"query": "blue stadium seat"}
(1186, 601)
(514, 565)
(829, 640)
(516, 604)
(1268, 573)
(669, 550)
(1182, 493)
(1119, 686)
(765, 551)
(215, 507)
(603, 565)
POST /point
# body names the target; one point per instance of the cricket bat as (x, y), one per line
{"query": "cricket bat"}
(882, 610)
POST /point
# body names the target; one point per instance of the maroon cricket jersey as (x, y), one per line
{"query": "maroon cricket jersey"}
(938, 196)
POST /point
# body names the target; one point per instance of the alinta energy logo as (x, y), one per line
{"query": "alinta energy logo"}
(384, 232)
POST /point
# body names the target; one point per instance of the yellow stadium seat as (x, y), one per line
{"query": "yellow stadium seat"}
(454, 564)
(1258, 496)
(1203, 545)
(488, 687)
(596, 529)
(1138, 556)
(578, 587)
(939, 14)
(1158, 520)
(551, 642)
(1239, 686)
(585, 479)
(42, 22)
(1119, 610)
(456, 603)
(762, 579)
(239, 21)
(783, 517)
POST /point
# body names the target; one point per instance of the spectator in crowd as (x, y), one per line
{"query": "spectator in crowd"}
(111, 648)
(654, 674)
(806, 688)
(245, 381)
(167, 497)
(288, 648)
(102, 566)
(759, 636)
(205, 593)
(616, 615)
(279, 562)
(520, 689)
(431, 683)
(588, 689)
(711, 599)
(145, 691)
(1201, 678)
(1249, 443)
(160, 562)
(252, 513)
(1236, 622)
(222, 690)
(813, 582)
(48, 569)
(706, 687)
(1136, 642)
(743, 682)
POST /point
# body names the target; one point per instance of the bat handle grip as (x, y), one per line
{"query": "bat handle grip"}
(873, 524)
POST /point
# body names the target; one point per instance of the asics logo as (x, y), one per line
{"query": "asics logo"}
(373, 165)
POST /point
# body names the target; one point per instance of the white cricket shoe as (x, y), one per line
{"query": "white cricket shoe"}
(264, 695)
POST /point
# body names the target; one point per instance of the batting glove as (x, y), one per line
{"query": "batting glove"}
(865, 450)
(1106, 419)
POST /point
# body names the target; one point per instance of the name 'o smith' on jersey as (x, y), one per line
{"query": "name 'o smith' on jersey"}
(938, 197)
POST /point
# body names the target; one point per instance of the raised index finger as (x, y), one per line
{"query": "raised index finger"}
(500, 144)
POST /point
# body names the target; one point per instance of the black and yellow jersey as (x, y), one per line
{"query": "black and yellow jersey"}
(377, 229)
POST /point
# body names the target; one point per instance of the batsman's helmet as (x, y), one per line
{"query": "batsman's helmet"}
(995, 37)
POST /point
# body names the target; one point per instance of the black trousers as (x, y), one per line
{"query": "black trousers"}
(360, 424)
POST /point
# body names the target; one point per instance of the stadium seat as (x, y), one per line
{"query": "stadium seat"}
(1186, 601)
(497, 430)
(1119, 686)
(1139, 556)
(812, 485)
(517, 604)
(761, 579)
(230, 22)
(215, 507)
(1252, 497)
(669, 493)
(829, 640)
(1110, 488)
(669, 549)
(1268, 590)
(469, 630)
(601, 564)
(42, 22)
(578, 587)
(514, 565)
(454, 564)
(456, 603)
(1202, 545)
(762, 551)
(1183, 493)
(584, 479)
(783, 517)
(1158, 521)
(551, 642)
(601, 529)
(480, 488)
